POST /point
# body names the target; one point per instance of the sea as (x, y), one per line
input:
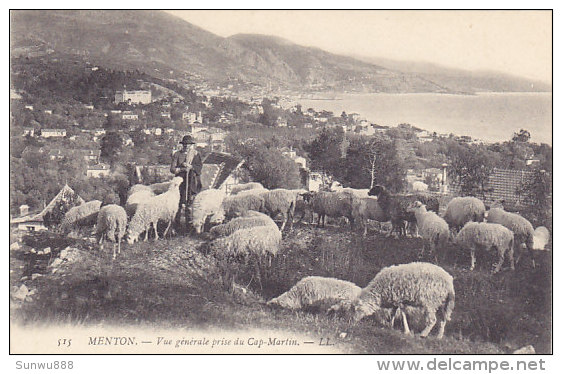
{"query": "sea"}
(490, 117)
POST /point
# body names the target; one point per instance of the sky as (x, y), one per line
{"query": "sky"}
(515, 42)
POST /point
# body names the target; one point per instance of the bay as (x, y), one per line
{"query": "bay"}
(490, 117)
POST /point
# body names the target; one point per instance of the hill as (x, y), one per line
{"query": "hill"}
(463, 80)
(167, 47)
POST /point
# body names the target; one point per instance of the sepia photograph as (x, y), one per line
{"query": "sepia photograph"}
(280, 182)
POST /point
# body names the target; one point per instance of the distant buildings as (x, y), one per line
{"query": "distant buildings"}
(53, 133)
(96, 171)
(133, 97)
(128, 115)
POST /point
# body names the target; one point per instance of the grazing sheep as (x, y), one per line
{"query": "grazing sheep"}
(84, 215)
(461, 210)
(281, 201)
(139, 197)
(250, 219)
(245, 186)
(417, 284)
(396, 207)
(540, 238)
(482, 235)
(432, 228)
(207, 203)
(522, 229)
(320, 292)
(254, 244)
(161, 207)
(112, 224)
(368, 208)
(237, 205)
(332, 204)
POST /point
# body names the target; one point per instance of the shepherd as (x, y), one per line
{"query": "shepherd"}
(186, 163)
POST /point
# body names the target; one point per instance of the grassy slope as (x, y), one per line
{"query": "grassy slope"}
(171, 283)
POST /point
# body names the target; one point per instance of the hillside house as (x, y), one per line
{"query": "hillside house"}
(133, 97)
(35, 222)
(28, 131)
(53, 133)
(220, 171)
(96, 171)
(128, 115)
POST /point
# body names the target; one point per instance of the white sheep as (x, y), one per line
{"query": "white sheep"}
(244, 187)
(160, 188)
(255, 244)
(237, 205)
(461, 210)
(139, 197)
(281, 201)
(207, 204)
(540, 238)
(332, 204)
(432, 228)
(111, 225)
(137, 188)
(317, 292)
(156, 188)
(250, 219)
(368, 208)
(161, 207)
(416, 284)
(84, 215)
(483, 235)
(522, 229)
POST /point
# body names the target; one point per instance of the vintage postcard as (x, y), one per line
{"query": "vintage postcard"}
(281, 182)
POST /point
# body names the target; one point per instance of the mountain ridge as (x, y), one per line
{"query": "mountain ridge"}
(162, 44)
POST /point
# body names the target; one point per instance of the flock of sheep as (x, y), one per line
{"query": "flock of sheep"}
(242, 227)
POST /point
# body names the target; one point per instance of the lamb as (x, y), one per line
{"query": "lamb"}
(139, 197)
(540, 238)
(522, 229)
(234, 206)
(396, 206)
(111, 224)
(84, 215)
(161, 207)
(245, 186)
(332, 204)
(356, 192)
(432, 228)
(484, 235)
(250, 219)
(317, 292)
(282, 201)
(367, 208)
(461, 210)
(207, 204)
(416, 284)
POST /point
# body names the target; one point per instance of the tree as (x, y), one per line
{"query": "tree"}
(522, 136)
(471, 168)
